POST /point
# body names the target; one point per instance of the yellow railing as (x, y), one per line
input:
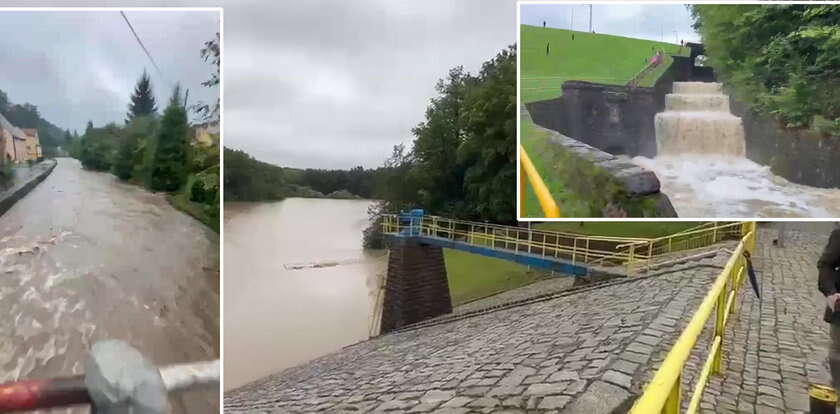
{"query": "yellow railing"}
(642, 252)
(663, 394)
(569, 246)
(528, 174)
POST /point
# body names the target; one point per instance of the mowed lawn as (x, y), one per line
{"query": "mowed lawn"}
(590, 57)
(472, 276)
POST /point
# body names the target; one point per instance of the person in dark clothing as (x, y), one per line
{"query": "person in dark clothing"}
(829, 285)
(546, 48)
(543, 24)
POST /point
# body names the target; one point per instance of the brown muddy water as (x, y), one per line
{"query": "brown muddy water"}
(84, 258)
(298, 284)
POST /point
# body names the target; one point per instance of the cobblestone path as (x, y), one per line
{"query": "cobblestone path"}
(582, 353)
(779, 347)
(587, 352)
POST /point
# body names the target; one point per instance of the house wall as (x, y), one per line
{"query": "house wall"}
(6, 151)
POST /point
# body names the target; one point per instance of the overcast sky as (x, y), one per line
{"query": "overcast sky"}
(82, 65)
(334, 83)
(661, 22)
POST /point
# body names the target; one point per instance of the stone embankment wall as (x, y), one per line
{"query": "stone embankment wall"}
(802, 156)
(10, 196)
(615, 119)
(610, 185)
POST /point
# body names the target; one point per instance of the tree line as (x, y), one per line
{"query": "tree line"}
(782, 59)
(248, 179)
(157, 150)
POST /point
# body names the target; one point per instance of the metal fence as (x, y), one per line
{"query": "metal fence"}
(664, 393)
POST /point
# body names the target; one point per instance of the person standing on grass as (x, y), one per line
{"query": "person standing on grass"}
(546, 48)
(829, 285)
(543, 24)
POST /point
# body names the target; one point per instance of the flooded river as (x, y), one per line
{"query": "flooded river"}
(83, 258)
(297, 283)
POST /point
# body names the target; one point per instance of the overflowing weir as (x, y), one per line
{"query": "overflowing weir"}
(702, 167)
(697, 121)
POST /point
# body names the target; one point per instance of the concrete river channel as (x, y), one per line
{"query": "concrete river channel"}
(84, 258)
(298, 284)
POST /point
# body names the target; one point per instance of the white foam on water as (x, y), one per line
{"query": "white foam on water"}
(725, 186)
(702, 168)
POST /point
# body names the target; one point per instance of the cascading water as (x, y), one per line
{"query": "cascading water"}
(702, 167)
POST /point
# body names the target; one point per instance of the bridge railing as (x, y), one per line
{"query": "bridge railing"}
(643, 252)
(664, 392)
(573, 247)
(528, 174)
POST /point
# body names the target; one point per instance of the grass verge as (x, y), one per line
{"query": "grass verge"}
(574, 55)
(196, 210)
(474, 277)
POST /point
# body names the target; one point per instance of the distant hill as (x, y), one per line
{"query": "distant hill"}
(590, 57)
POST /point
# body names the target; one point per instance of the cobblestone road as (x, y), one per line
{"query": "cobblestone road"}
(588, 352)
(585, 352)
(778, 347)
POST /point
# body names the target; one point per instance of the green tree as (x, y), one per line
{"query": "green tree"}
(169, 170)
(490, 148)
(142, 100)
(98, 147)
(211, 53)
(129, 156)
(781, 59)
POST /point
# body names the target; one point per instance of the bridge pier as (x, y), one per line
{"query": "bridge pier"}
(416, 288)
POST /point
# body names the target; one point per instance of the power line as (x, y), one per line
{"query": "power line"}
(141, 44)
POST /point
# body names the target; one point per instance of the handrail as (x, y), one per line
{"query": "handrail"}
(527, 169)
(576, 247)
(663, 393)
(699, 236)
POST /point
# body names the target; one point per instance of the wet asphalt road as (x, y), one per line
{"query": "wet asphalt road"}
(83, 258)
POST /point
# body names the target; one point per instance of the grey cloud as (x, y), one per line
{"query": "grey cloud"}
(82, 65)
(334, 84)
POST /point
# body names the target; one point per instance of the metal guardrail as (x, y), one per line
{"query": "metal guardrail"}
(645, 251)
(573, 247)
(663, 394)
(528, 173)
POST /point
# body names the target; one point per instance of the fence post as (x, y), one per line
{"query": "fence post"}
(672, 404)
(650, 254)
(574, 249)
(586, 256)
(719, 329)
(630, 256)
(521, 189)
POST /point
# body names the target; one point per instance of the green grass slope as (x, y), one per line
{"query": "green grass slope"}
(590, 57)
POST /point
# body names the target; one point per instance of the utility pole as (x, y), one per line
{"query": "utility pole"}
(590, 18)
(572, 21)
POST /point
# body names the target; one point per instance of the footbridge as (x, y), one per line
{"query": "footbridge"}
(417, 289)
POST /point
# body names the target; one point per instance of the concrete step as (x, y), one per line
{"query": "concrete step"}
(697, 102)
(697, 87)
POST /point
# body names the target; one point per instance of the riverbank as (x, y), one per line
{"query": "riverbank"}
(197, 211)
(24, 182)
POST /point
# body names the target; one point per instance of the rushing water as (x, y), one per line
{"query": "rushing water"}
(297, 283)
(703, 170)
(84, 257)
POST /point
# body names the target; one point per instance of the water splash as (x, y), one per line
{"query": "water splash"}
(701, 163)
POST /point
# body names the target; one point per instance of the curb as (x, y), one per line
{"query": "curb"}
(11, 196)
